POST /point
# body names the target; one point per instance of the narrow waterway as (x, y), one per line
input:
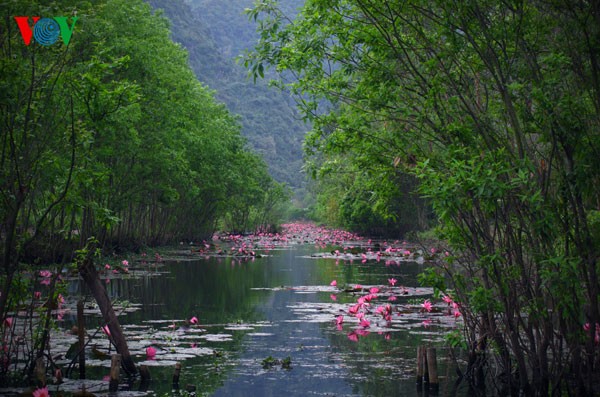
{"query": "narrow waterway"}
(267, 327)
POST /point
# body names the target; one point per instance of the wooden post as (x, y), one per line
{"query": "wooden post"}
(144, 377)
(115, 370)
(176, 376)
(432, 368)
(419, 367)
(425, 367)
(81, 339)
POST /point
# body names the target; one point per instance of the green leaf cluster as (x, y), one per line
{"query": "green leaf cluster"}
(493, 108)
(112, 136)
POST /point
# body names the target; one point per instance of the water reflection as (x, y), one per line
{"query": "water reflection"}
(256, 296)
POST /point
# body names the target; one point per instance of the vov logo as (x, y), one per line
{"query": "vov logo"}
(45, 31)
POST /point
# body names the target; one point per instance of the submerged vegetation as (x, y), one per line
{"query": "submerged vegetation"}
(490, 112)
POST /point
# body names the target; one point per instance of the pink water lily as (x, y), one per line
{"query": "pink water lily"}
(353, 336)
(392, 281)
(150, 353)
(43, 392)
(194, 320)
(427, 306)
(333, 283)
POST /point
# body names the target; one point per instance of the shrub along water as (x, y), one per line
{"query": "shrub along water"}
(493, 108)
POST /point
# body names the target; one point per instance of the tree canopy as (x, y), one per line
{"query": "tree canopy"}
(489, 110)
(113, 137)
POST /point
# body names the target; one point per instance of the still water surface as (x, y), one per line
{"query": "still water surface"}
(271, 307)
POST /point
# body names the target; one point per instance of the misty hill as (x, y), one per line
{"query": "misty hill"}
(215, 32)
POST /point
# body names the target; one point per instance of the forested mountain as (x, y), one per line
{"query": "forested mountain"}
(215, 33)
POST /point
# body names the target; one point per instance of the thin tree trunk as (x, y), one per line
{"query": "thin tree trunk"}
(90, 276)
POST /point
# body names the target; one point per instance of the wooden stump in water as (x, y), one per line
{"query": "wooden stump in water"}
(81, 338)
(144, 377)
(432, 369)
(419, 367)
(427, 374)
(115, 370)
(425, 367)
(176, 376)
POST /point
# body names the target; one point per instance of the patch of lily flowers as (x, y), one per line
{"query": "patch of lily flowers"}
(375, 309)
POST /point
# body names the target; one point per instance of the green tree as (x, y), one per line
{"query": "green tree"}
(494, 108)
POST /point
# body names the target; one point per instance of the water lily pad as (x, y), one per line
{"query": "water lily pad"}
(217, 337)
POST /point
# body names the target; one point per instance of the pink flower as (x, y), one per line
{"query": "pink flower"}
(456, 314)
(392, 298)
(45, 281)
(339, 320)
(125, 263)
(194, 320)
(8, 321)
(107, 266)
(362, 332)
(333, 297)
(426, 323)
(43, 392)
(374, 290)
(150, 353)
(447, 299)
(353, 336)
(333, 283)
(37, 295)
(365, 323)
(392, 281)
(427, 306)
(106, 330)
(45, 273)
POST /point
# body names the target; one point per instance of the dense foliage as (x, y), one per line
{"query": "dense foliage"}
(493, 108)
(113, 137)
